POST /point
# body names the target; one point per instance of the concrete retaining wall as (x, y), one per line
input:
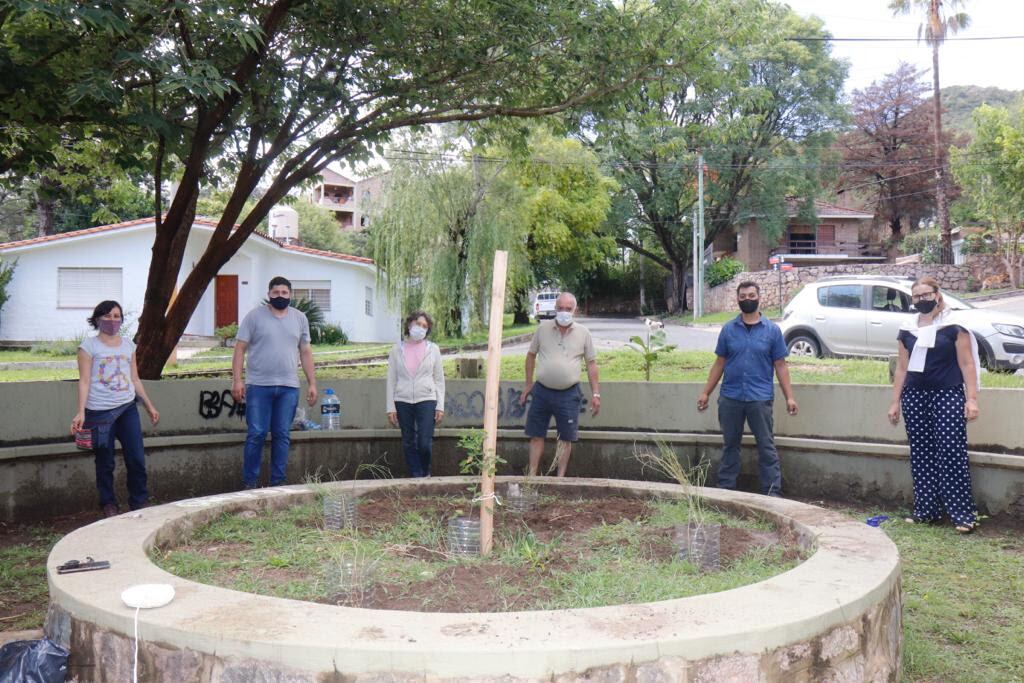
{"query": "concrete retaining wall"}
(840, 446)
(33, 412)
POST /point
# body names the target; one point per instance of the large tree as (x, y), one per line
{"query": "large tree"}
(991, 172)
(758, 105)
(267, 93)
(941, 18)
(887, 152)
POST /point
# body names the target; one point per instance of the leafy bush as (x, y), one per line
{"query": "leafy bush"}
(722, 270)
(330, 334)
(313, 314)
(6, 273)
(226, 332)
(58, 347)
(927, 243)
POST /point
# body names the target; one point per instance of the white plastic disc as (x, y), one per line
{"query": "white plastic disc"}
(148, 595)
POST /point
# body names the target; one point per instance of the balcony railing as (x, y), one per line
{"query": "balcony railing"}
(814, 247)
(336, 203)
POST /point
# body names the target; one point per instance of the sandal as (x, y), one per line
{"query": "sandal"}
(965, 529)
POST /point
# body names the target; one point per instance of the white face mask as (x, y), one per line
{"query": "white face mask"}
(563, 318)
(417, 333)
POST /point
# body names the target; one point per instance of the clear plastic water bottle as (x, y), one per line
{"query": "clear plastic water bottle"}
(330, 411)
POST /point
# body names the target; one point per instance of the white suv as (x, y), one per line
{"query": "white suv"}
(544, 305)
(861, 316)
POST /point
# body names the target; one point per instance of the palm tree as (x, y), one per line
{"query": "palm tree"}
(940, 19)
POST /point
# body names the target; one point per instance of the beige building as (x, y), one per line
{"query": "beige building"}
(348, 199)
(834, 239)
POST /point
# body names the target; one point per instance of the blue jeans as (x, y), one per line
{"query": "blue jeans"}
(417, 423)
(268, 409)
(121, 423)
(758, 414)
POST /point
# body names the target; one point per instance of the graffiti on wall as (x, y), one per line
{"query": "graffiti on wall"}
(470, 404)
(212, 405)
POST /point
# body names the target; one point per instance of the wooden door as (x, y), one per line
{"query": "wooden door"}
(225, 300)
(827, 239)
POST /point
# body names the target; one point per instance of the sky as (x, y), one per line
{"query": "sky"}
(997, 63)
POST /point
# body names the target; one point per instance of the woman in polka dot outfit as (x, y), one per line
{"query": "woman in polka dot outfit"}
(936, 387)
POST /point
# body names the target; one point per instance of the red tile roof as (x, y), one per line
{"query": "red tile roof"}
(198, 221)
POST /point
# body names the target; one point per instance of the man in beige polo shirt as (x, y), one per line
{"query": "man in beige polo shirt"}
(559, 345)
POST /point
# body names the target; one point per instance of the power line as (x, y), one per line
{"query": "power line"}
(821, 39)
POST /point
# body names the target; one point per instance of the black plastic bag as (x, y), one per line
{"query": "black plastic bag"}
(33, 661)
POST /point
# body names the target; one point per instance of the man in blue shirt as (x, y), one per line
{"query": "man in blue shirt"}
(749, 348)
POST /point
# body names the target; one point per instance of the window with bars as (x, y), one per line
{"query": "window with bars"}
(86, 287)
(317, 291)
(369, 301)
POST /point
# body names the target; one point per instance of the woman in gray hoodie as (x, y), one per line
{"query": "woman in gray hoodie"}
(415, 391)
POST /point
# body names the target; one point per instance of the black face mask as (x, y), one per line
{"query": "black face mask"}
(749, 305)
(280, 302)
(925, 307)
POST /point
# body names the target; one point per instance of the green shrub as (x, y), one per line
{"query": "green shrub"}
(722, 270)
(57, 347)
(226, 332)
(330, 334)
(6, 273)
(313, 314)
(927, 243)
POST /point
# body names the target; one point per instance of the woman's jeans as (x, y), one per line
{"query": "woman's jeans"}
(417, 423)
(121, 423)
(268, 408)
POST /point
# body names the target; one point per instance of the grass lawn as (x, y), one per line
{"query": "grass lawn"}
(320, 351)
(715, 318)
(692, 366)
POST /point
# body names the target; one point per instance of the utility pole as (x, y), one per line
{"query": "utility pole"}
(698, 291)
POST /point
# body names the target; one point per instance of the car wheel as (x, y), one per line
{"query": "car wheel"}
(804, 345)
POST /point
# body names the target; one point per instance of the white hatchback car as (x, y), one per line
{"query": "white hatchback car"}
(861, 316)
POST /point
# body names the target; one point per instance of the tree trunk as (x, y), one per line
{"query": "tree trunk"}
(44, 206)
(941, 207)
(520, 307)
(679, 287)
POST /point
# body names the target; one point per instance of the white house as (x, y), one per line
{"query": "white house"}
(60, 278)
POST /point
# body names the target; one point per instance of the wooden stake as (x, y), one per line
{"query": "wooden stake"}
(491, 389)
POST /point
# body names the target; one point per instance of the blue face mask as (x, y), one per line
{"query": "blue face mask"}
(280, 302)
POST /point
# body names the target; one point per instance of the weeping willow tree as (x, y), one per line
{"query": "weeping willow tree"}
(435, 234)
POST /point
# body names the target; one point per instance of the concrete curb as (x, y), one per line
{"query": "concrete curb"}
(854, 574)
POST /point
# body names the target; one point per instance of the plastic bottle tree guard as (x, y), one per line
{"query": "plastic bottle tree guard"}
(464, 536)
(700, 544)
(341, 511)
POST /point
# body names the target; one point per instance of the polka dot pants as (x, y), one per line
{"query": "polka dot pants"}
(937, 430)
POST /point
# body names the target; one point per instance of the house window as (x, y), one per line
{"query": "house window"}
(317, 291)
(369, 301)
(86, 287)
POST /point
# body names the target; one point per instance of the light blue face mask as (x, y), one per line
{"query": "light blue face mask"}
(417, 333)
(563, 318)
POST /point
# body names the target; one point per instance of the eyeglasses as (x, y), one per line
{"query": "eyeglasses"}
(927, 296)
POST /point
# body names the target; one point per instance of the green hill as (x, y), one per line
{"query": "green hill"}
(960, 100)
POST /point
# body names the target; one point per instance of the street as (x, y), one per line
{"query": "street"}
(1014, 305)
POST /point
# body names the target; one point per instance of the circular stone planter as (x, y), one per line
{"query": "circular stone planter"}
(836, 616)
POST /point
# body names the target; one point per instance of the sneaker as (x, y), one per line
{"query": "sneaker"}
(110, 510)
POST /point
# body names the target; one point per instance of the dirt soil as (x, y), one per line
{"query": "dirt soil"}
(470, 587)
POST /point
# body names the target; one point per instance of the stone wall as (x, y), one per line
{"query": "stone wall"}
(960, 278)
